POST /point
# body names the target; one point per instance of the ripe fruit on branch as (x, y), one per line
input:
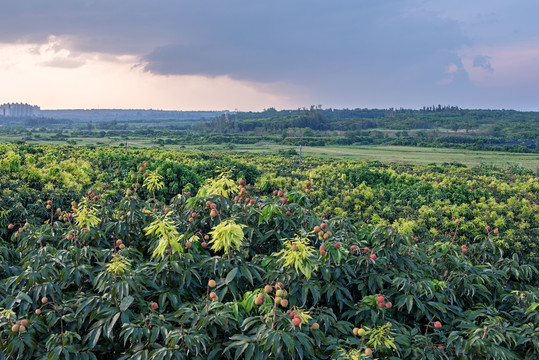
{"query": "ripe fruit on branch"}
(24, 322)
(337, 245)
(86, 230)
(38, 311)
(259, 301)
(323, 226)
(366, 249)
(211, 283)
(294, 247)
(495, 231)
(268, 289)
(296, 321)
(213, 213)
(118, 242)
(380, 298)
(316, 229)
(373, 256)
(280, 193)
(204, 244)
(15, 328)
(284, 303)
(308, 184)
(368, 351)
(487, 228)
(292, 315)
(213, 295)
(275, 192)
(69, 237)
(355, 331)
(315, 326)
(381, 304)
(121, 247)
(353, 248)
(241, 182)
(188, 244)
(10, 226)
(464, 249)
(284, 200)
(44, 299)
(288, 213)
(155, 306)
(389, 305)
(437, 324)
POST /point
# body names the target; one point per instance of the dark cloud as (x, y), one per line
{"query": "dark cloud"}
(339, 52)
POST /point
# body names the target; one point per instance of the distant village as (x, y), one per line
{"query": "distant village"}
(19, 110)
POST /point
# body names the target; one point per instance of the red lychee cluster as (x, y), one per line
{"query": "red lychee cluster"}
(308, 189)
(213, 208)
(382, 303)
(243, 196)
(280, 193)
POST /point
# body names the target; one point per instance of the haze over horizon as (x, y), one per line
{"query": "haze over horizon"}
(245, 55)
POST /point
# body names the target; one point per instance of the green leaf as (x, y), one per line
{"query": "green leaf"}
(231, 275)
(93, 337)
(126, 301)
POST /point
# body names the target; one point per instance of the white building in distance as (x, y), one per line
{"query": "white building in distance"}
(19, 110)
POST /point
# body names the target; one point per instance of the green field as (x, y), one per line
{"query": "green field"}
(408, 154)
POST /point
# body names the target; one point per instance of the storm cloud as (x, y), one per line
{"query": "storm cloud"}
(367, 53)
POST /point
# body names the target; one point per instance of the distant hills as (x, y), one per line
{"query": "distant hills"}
(98, 115)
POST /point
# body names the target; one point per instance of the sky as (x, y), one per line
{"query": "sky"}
(253, 55)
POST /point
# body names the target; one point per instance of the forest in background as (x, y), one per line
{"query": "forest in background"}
(434, 126)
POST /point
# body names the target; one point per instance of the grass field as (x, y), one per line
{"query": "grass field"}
(407, 154)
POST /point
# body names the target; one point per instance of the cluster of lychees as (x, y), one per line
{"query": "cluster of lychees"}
(213, 208)
(119, 243)
(361, 332)
(382, 302)
(280, 193)
(19, 230)
(141, 170)
(279, 298)
(366, 250)
(94, 197)
(20, 326)
(320, 230)
(308, 188)
(243, 196)
(212, 295)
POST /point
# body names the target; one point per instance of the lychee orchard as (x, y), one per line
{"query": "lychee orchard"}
(112, 253)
